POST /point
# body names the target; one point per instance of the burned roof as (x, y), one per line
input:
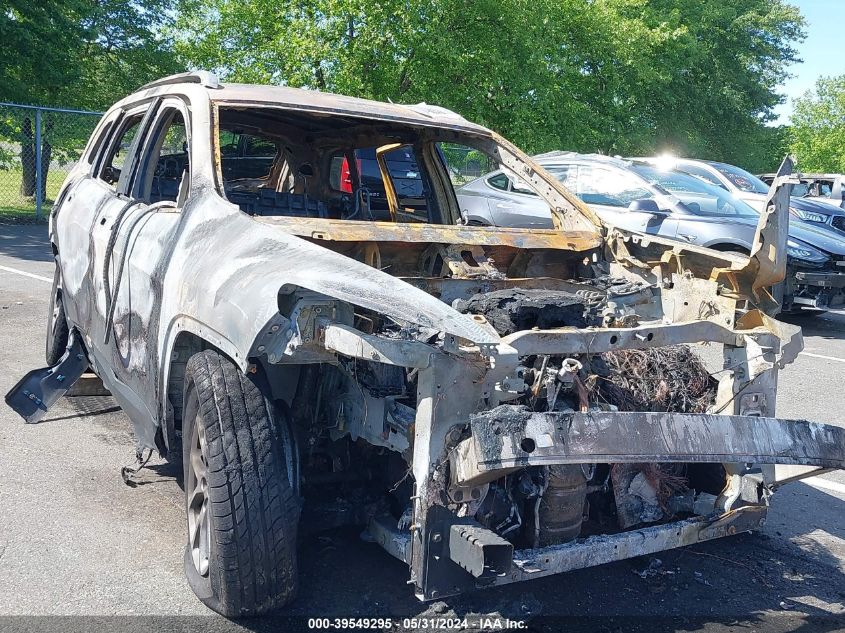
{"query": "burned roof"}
(315, 101)
(421, 114)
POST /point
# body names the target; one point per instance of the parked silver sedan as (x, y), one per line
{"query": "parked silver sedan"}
(640, 196)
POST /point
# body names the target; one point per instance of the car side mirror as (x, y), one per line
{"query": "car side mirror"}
(645, 205)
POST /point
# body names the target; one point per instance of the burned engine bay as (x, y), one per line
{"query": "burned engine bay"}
(585, 414)
(536, 505)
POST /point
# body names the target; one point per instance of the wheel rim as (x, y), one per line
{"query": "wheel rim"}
(196, 486)
(54, 315)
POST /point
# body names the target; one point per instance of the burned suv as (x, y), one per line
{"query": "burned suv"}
(495, 404)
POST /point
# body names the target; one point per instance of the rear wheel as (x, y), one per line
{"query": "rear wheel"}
(242, 507)
(57, 328)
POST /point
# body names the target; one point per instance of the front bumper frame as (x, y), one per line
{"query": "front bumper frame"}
(459, 383)
(819, 289)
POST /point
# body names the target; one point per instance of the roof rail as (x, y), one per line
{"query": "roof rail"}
(202, 77)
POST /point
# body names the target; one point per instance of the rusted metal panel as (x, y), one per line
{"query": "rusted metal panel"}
(349, 342)
(421, 114)
(598, 550)
(767, 258)
(396, 543)
(597, 340)
(360, 231)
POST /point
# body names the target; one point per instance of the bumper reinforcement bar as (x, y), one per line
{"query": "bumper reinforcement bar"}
(511, 437)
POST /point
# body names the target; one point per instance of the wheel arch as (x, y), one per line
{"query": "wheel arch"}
(276, 382)
(184, 338)
(727, 247)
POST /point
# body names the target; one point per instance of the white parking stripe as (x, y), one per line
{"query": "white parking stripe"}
(26, 274)
(825, 484)
(838, 360)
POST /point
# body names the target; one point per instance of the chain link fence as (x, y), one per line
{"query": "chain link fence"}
(38, 147)
(465, 163)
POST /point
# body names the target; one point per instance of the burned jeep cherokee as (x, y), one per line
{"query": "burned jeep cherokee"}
(494, 404)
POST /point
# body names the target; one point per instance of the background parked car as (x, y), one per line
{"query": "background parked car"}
(639, 196)
(827, 188)
(748, 187)
(404, 172)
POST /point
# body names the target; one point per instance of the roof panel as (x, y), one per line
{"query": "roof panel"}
(328, 103)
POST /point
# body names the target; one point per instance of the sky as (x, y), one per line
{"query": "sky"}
(823, 52)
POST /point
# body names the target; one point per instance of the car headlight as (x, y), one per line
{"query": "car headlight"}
(805, 252)
(809, 216)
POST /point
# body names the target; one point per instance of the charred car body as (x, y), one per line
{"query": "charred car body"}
(436, 381)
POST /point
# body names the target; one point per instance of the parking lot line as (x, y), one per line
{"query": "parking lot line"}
(825, 484)
(838, 360)
(26, 274)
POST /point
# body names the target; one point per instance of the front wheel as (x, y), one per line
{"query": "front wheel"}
(242, 506)
(57, 328)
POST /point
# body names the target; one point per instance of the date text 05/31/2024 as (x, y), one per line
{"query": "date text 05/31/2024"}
(419, 623)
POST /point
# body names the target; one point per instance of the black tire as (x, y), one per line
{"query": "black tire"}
(253, 510)
(57, 328)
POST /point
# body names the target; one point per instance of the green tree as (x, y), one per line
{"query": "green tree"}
(818, 127)
(76, 54)
(82, 53)
(617, 76)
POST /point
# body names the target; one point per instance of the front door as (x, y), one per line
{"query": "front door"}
(133, 237)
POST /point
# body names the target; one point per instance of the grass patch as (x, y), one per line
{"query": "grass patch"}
(16, 209)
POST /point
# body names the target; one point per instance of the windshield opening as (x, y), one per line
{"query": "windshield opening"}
(741, 179)
(698, 197)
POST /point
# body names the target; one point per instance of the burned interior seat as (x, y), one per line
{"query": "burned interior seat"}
(267, 202)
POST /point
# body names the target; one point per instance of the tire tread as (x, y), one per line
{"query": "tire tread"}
(254, 509)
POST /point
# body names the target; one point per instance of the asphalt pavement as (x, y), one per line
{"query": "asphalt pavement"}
(75, 540)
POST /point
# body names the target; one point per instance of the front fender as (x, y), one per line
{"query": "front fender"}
(228, 268)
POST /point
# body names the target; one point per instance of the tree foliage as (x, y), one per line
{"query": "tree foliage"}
(818, 127)
(617, 76)
(82, 53)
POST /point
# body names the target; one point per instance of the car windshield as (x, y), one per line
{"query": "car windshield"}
(741, 179)
(698, 197)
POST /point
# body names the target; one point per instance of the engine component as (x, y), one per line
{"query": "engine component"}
(642, 491)
(515, 309)
(562, 504)
(499, 511)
